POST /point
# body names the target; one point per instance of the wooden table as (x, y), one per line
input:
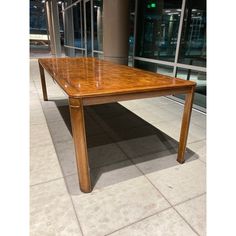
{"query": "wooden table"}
(89, 81)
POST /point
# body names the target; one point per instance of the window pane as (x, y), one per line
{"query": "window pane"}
(77, 15)
(193, 38)
(99, 55)
(97, 21)
(78, 53)
(131, 26)
(161, 69)
(38, 23)
(39, 41)
(200, 79)
(157, 28)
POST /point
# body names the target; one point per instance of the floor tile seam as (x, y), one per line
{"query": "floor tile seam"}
(68, 195)
(197, 141)
(60, 120)
(161, 122)
(156, 187)
(142, 155)
(53, 180)
(182, 104)
(51, 136)
(199, 126)
(92, 168)
(42, 106)
(172, 206)
(77, 217)
(38, 123)
(144, 106)
(106, 165)
(130, 159)
(56, 152)
(33, 89)
(189, 199)
(149, 181)
(59, 163)
(179, 116)
(45, 182)
(140, 220)
(204, 162)
(33, 146)
(193, 229)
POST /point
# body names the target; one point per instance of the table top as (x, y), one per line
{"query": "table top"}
(91, 77)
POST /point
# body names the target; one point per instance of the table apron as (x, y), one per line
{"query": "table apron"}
(135, 95)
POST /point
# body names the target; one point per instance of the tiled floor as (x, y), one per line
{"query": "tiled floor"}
(138, 187)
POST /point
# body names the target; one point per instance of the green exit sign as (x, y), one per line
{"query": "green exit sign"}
(151, 5)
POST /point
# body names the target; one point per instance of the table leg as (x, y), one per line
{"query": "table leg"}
(43, 82)
(185, 125)
(79, 136)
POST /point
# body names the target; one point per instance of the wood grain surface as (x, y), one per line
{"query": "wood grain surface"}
(88, 77)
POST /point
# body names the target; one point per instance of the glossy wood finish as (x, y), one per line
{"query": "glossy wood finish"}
(185, 126)
(89, 77)
(43, 82)
(79, 136)
(90, 81)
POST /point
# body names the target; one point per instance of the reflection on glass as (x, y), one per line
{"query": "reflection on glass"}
(157, 28)
(78, 53)
(161, 69)
(78, 26)
(200, 79)
(38, 18)
(88, 27)
(38, 29)
(131, 29)
(98, 55)
(97, 20)
(193, 38)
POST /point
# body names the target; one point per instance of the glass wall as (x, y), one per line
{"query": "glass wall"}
(73, 22)
(78, 25)
(157, 28)
(173, 33)
(200, 78)
(97, 28)
(160, 69)
(193, 37)
(83, 27)
(39, 40)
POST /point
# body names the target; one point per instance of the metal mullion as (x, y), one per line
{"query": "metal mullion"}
(68, 46)
(185, 66)
(47, 24)
(96, 51)
(92, 28)
(179, 36)
(155, 61)
(135, 30)
(81, 25)
(191, 67)
(72, 5)
(85, 31)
